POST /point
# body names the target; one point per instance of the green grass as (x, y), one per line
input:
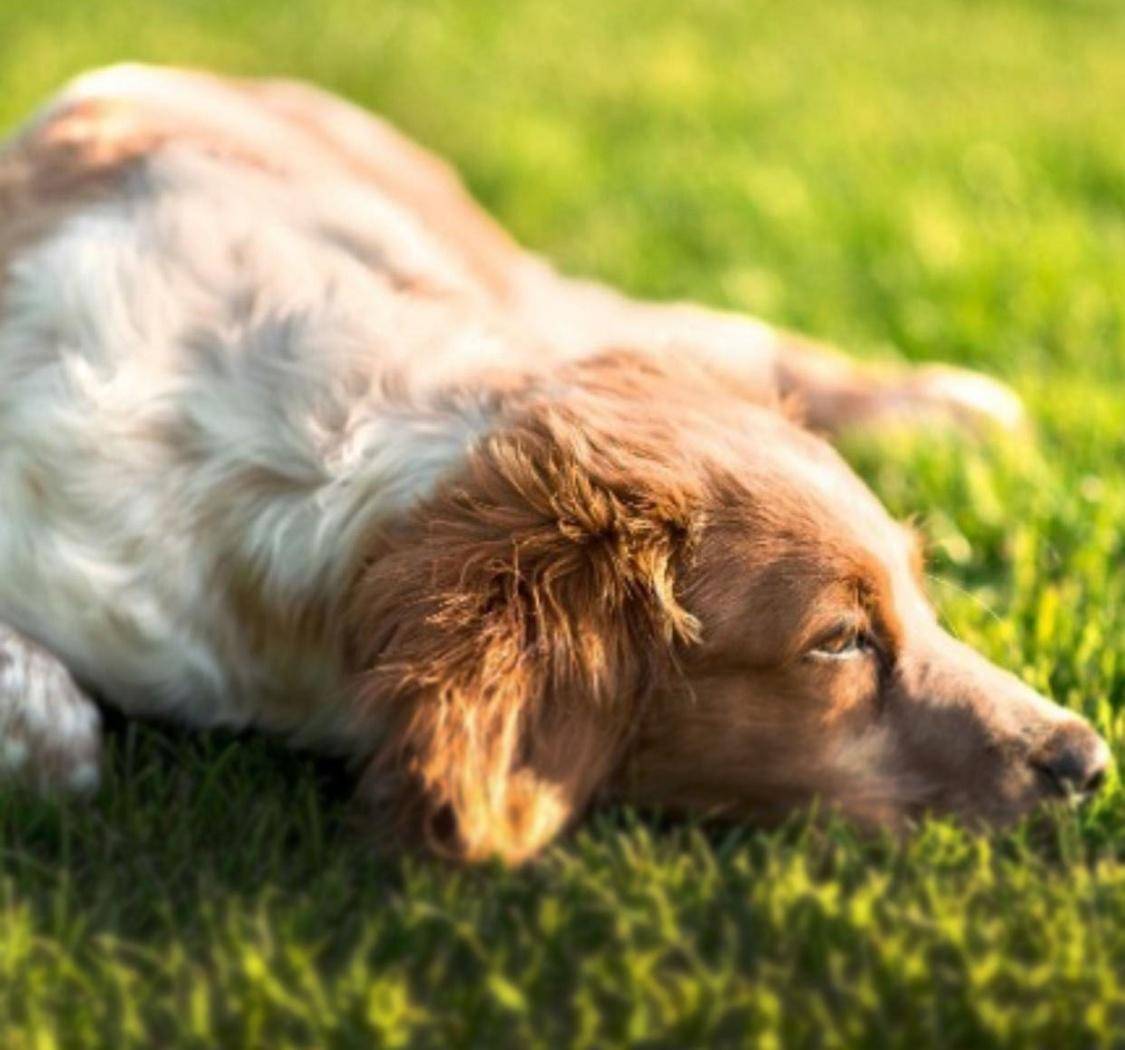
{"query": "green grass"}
(940, 180)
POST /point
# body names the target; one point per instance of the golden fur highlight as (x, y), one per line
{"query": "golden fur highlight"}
(518, 624)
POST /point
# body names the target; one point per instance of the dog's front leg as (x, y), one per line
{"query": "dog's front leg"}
(835, 392)
(832, 391)
(50, 731)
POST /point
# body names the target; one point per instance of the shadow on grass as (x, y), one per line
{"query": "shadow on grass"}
(184, 819)
(227, 866)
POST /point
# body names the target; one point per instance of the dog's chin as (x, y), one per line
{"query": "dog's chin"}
(902, 816)
(1000, 810)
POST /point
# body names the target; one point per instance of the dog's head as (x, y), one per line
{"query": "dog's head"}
(639, 586)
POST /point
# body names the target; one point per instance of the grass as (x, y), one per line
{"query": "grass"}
(940, 180)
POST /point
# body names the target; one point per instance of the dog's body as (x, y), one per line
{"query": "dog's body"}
(292, 436)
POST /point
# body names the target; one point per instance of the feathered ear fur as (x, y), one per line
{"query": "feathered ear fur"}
(510, 639)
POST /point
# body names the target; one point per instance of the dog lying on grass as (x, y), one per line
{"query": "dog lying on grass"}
(292, 436)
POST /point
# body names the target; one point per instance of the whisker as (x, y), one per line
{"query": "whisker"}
(975, 599)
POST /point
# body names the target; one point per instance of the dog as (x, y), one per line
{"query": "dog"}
(294, 437)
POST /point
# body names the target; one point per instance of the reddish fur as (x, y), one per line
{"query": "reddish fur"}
(615, 598)
(517, 626)
(619, 592)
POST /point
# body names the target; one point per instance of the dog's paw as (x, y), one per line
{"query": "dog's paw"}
(960, 396)
(50, 731)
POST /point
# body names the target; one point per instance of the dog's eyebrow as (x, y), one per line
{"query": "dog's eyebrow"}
(875, 596)
(846, 620)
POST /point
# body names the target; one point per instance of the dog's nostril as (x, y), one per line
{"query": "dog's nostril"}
(1074, 761)
(1094, 784)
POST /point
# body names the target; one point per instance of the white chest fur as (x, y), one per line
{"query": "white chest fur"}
(196, 380)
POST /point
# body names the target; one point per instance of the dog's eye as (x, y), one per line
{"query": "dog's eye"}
(842, 644)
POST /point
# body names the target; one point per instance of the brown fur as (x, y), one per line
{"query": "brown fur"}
(517, 633)
(617, 602)
(372, 150)
(631, 587)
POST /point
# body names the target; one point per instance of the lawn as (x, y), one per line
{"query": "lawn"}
(935, 180)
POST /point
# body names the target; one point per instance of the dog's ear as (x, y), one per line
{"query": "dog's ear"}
(507, 642)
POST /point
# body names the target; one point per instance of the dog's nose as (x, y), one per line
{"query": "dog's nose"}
(1074, 760)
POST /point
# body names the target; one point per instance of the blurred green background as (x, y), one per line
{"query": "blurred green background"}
(940, 180)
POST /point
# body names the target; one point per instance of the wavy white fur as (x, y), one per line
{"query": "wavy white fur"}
(168, 358)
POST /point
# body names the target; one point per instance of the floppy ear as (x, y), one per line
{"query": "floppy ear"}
(510, 639)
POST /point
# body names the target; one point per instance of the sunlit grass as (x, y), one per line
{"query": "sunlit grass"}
(939, 180)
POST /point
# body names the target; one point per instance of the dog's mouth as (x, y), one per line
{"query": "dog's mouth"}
(1064, 792)
(1043, 789)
